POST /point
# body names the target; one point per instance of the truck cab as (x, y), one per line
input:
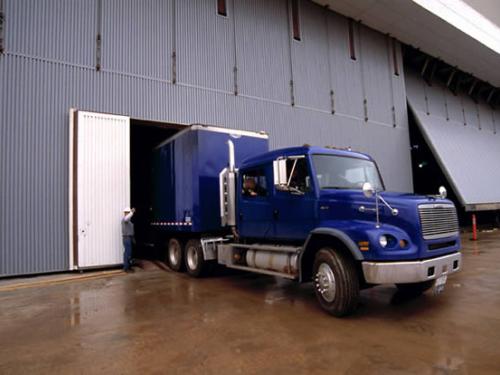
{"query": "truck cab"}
(333, 202)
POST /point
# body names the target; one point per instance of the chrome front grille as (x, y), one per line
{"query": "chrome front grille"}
(438, 220)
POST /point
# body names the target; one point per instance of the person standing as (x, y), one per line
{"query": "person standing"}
(128, 237)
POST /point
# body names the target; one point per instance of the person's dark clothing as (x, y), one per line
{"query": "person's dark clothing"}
(127, 253)
(128, 238)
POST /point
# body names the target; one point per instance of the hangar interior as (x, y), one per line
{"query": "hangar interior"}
(144, 137)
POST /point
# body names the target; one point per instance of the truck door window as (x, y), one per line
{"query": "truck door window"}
(254, 183)
(298, 174)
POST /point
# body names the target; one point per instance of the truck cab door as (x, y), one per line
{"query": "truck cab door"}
(255, 218)
(294, 208)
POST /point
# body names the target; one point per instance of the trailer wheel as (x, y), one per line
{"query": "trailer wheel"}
(336, 282)
(196, 265)
(175, 255)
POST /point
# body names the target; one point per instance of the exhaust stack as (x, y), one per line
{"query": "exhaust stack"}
(227, 190)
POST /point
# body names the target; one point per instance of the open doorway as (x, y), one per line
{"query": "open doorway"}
(144, 137)
(109, 168)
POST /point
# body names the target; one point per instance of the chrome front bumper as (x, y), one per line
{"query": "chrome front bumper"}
(412, 271)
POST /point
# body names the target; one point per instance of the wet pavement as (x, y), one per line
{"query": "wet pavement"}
(157, 321)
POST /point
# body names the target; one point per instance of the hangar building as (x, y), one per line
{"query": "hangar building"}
(87, 82)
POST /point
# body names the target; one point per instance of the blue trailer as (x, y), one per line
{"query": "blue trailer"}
(306, 213)
(186, 170)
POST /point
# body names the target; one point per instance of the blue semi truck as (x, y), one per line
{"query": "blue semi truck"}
(310, 214)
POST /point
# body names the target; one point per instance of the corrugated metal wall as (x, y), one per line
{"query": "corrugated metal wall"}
(458, 109)
(49, 67)
(465, 139)
(262, 49)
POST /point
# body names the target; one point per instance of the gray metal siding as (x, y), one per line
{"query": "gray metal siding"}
(436, 101)
(486, 117)
(33, 178)
(346, 78)
(311, 75)
(137, 37)
(376, 75)
(52, 29)
(262, 49)
(467, 154)
(470, 112)
(398, 87)
(36, 94)
(205, 45)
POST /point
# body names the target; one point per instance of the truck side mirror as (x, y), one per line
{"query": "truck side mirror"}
(368, 190)
(279, 172)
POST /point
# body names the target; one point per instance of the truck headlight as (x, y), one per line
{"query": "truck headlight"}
(383, 241)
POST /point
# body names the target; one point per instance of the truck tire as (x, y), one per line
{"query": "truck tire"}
(415, 289)
(175, 256)
(196, 265)
(336, 282)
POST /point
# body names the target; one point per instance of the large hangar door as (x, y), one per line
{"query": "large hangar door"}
(99, 187)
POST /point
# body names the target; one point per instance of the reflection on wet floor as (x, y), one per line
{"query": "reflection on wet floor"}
(157, 321)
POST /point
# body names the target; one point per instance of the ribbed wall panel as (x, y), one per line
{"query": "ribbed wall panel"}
(33, 173)
(311, 75)
(205, 45)
(439, 101)
(137, 37)
(415, 89)
(346, 78)
(36, 95)
(486, 117)
(470, 111)
(376, 75)
(436, 101)
(467, 154)
(262, 49)
(52, 29)
(454, 104)
(399, 87)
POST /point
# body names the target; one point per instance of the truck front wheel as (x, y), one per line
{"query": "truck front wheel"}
(336, 282)
(196, 265)
(174, 255)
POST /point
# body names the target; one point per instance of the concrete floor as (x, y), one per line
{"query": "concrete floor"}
(161, 322)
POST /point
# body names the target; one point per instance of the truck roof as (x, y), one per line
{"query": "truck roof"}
(301, 150)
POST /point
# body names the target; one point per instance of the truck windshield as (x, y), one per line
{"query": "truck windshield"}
(342, 172)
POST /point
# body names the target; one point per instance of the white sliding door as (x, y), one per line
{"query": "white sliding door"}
(99, 187)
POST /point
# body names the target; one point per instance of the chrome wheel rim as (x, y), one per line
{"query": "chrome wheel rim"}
(192, 258)
(174, 253)
(325, 282)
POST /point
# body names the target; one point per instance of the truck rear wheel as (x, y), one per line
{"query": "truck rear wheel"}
(196, 265)
(175, 255)
(336, 282)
